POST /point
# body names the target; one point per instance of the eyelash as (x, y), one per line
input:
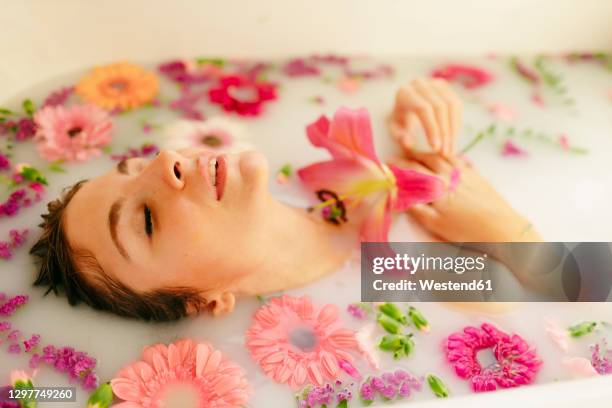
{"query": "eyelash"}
(148, 222)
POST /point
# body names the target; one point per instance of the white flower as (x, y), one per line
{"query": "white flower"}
(217, 134)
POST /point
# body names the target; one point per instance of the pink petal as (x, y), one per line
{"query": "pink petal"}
(341, 176)
(125, 389)
(415, 188)
(127, 404)
(343, 338)
(328, 315)
(314, 373)
(329, 366)
(348, 135)
(375, 227)
(510, 149)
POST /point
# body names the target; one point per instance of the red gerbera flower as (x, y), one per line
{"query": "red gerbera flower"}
(242, 95)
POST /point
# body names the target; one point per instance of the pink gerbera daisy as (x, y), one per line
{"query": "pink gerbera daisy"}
(75, 134)
(294, 344)
(180, 372)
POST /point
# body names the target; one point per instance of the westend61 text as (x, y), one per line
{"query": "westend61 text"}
(431, 285)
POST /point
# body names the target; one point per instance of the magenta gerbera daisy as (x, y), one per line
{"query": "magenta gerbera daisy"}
(242, 95)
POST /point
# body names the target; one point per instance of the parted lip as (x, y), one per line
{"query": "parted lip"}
(205, 165)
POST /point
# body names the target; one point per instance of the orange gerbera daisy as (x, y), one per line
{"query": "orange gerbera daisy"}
(118, 86)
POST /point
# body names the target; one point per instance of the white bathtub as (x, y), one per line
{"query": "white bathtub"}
(44, 39)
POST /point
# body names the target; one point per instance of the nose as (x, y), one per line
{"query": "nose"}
(170, 166)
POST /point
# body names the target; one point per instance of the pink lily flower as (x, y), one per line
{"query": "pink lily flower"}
(358, 181)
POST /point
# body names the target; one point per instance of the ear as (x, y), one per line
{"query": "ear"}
(221, 303)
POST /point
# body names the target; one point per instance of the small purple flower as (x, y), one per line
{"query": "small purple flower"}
(12, 304)
(356, 311)
(404, 390)
(601, 358)
(14, 348)
(14, 335)
(31, 342)
(300, 67)
(4, 326)
(366, 392)
(26, 128)
(377, 383)
(35, 360)
(58, 97)
(389, 392)
(5, 163)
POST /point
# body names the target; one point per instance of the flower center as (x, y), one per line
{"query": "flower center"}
(303, 338)
(243, 93)
(118, 85)
(180, 395)
(211, 140)
(74, 131)
(486, 358)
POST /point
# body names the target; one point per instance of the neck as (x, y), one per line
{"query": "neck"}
(298, 248)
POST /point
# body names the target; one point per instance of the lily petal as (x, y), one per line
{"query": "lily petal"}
(342, 176)
(375, 227)
(415, 188)
(349, 135)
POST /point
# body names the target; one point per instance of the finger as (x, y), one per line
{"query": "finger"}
(432, 161)
(403, 135)
(411, 164)
(414, 102)
(425, 215)
(439, 108)
(453, 110)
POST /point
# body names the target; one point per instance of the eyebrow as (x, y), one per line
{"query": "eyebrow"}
(113, 219)
(122, 167)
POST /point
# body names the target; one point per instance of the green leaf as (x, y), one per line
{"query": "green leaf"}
(32, 174)
(28, 107)
(437, 386)
(102, 396)
(390, 325)
(56, 166)
(342, 404)
(107, 149)
(581, 329)
(394, 312)
(212, 61)
(418, 319)
(286, 170)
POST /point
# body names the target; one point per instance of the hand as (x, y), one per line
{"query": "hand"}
(471, 212)
(432, 105)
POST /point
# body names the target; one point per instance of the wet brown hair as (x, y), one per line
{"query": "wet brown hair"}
(61, 269)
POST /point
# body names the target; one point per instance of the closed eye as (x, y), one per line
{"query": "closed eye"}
(148, 222)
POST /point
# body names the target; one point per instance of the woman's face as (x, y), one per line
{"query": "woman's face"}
(185, 218)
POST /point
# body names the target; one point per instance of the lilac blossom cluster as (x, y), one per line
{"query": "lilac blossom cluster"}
(16, 240)
(78, 365)
(325, 395)
(147, 149)
(58, 97)
(21, 199)
(398, 384)
(601, 358)
(24, 128)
